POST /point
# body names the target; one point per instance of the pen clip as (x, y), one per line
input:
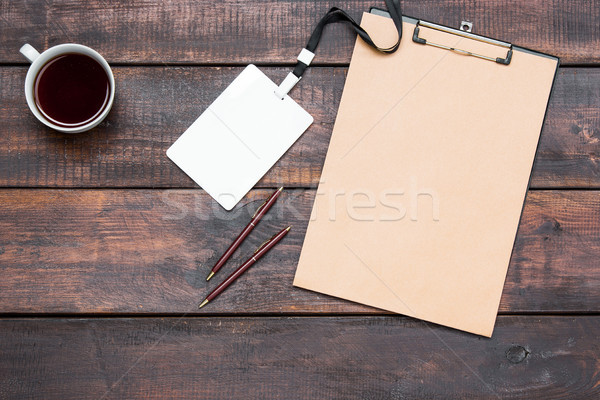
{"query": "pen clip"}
(260, 208)
(264, 243)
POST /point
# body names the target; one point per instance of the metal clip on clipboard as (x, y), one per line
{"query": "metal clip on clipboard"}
(466, 34)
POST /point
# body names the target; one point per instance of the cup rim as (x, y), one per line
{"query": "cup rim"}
(55, 51)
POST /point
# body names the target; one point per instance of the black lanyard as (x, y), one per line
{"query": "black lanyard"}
(336, 15)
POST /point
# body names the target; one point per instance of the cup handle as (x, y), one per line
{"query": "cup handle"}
(29, 52)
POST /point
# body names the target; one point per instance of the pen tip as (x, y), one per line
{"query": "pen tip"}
(205, 302)
(209, 276)
(288, 228)
(280, 189)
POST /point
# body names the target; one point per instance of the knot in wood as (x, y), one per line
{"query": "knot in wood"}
(516, 354)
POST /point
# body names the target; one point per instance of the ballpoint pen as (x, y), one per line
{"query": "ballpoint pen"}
(261, 251)
(260, 212)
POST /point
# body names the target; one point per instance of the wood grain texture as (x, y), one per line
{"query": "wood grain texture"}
(238, 31)
(149, 251)
(154, 105)
(300, 358)
(146, 253)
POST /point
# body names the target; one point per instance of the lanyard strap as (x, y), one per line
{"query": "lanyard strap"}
(332, 16)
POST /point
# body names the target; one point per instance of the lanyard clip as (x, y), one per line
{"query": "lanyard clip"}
(305, 57)
(288, 83)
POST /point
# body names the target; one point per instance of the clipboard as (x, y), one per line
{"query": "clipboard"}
(426, 174)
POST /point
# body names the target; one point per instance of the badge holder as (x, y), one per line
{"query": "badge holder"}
(241, 135)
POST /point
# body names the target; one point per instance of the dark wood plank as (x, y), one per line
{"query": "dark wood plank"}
(569, 149)
(155, 105)
(238, 31)
(149, 251)
(305, 358)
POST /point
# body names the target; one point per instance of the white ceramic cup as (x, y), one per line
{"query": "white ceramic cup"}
(39, 60)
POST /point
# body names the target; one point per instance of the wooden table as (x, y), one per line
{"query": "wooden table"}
(105, 244)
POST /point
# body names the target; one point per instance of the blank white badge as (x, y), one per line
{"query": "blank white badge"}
(239, 137)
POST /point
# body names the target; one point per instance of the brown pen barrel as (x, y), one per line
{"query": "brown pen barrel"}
(236, 243)
(245, 266)
(262, 210)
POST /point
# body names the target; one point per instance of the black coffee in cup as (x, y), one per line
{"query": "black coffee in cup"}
(72, 90)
